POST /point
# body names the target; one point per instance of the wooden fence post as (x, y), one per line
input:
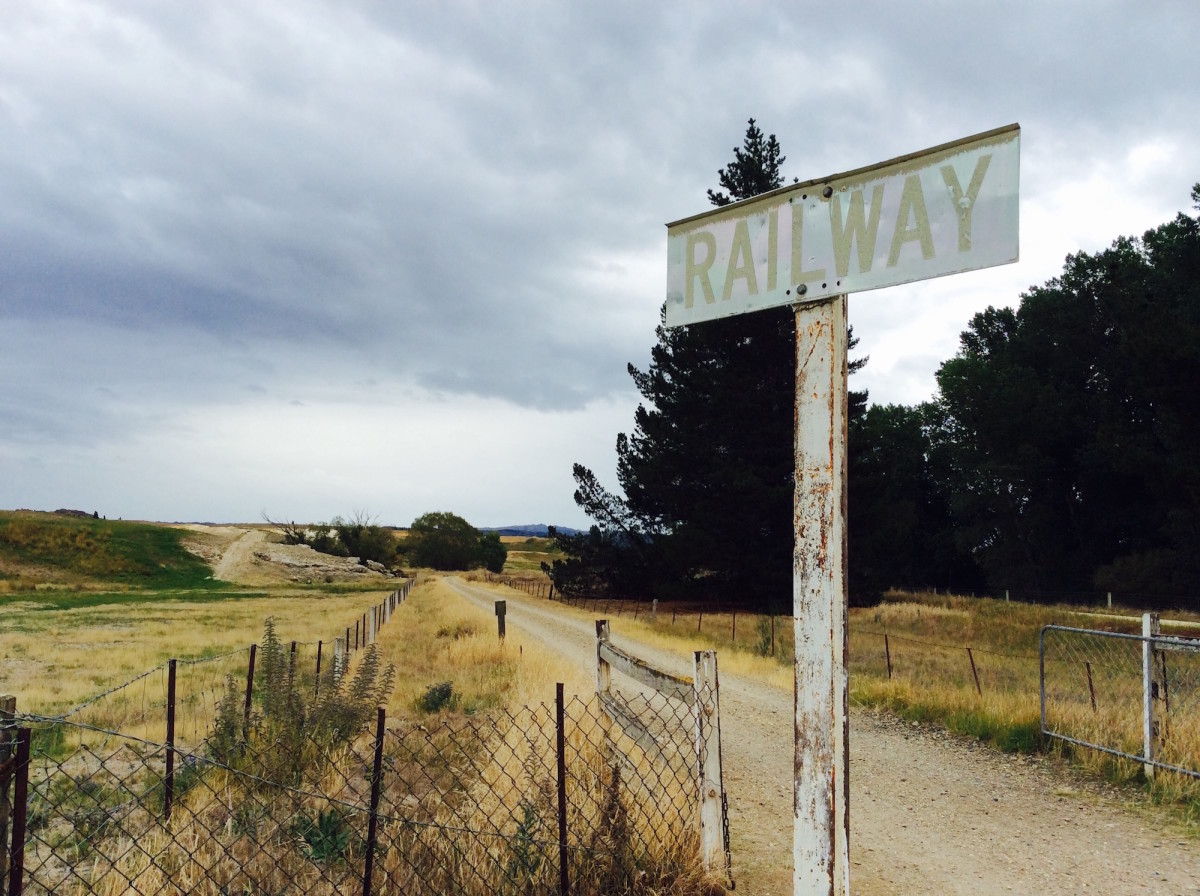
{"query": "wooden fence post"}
(501, 608)
(974, 672)
(887, 652)
(16, 868)
(8, 708)
(317, 685)
(603, 681)
(603, 670)
(708, 752)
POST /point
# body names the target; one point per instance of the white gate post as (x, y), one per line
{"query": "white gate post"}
(708, 759)
(1151, 628)
(821, 843)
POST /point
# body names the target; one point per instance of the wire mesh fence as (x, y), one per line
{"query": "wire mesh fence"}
(1134, 696)
(271, 770)
(506, 802)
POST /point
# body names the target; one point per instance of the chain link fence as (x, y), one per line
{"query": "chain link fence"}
(1133, 696)
(274, 772)
(507, 802)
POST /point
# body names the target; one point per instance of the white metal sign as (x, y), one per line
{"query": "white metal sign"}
(941, 211)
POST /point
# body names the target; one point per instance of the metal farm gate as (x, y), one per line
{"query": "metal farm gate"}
(1134, 696)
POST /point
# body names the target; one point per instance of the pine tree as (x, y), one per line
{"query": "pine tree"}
(707, 472)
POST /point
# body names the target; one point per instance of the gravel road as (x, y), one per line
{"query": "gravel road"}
(929, 812)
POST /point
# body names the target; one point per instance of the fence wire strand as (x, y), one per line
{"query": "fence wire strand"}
(1095, 687)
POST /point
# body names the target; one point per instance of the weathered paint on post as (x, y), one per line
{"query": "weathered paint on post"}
(821, 836)
(674, 686)
(603, 670)
(708, 754)
(1151, 628)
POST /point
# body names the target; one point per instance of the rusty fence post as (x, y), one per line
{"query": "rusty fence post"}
(292, 665)
(887, 653)
(169, 777)
(564, 884)
(376, 786)
(317, 683)
(8, 709)
(16, 867)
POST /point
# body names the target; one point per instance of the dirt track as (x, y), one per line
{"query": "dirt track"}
(929, 813)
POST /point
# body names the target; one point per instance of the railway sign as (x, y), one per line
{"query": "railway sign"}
(941, 211)
(944, 210)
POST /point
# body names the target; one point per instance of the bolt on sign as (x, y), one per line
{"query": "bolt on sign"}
(941, 211)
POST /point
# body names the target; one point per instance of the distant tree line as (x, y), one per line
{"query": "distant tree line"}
(442, 541)
(1059, 453)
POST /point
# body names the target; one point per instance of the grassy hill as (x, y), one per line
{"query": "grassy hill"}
(39, 549)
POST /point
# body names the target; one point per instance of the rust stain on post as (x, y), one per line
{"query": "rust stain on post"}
(821, 839)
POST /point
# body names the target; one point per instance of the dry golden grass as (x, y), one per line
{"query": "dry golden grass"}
(932, 679)
(492, 776)
(55, 660)
(438, 636)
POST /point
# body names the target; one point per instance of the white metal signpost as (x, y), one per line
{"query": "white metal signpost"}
(941, 211)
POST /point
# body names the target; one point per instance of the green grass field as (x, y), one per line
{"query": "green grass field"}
(46, 550)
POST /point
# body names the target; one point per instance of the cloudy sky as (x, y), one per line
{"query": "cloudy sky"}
(314, 258)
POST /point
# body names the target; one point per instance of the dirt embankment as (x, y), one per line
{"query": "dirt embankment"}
(930, 813)
(247, 556)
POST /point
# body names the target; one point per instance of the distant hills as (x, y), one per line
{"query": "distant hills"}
(536, 530)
